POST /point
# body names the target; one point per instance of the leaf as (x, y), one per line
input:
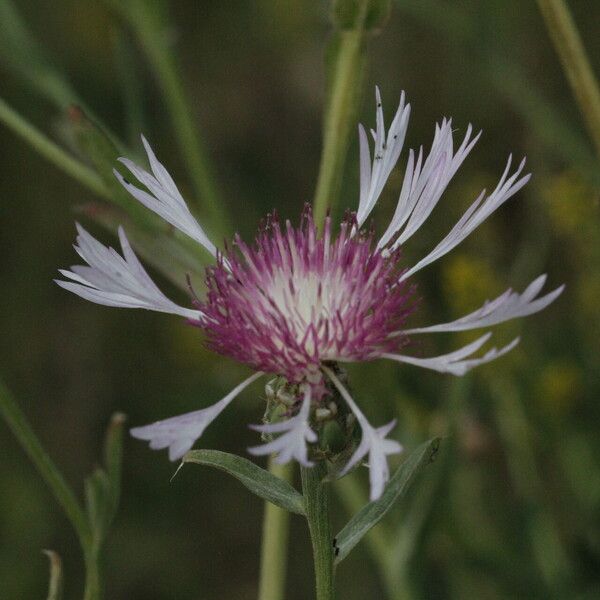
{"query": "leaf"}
(369, 14)
(28, 60)
(55, 588)
(97, 500)
(372, 513)
(103, 486)
(257, 480)
(103, 151)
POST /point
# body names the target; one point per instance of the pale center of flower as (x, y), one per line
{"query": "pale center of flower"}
(308, 298)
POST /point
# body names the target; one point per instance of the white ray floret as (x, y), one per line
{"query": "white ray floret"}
(374, 174)
(296, 434)
(373, 442)
(424, 184)
(509, 305)
(475, 215)
(457, 362)
(115, 280)
(180, 433)
(163, 197)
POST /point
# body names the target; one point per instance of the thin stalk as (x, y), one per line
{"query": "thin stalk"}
(347, 73)
(16, 420)
(93, 581)
(316, 496)
(192, 149)
(575, 63)
(276, 525)
(51, 151)
(130, 84)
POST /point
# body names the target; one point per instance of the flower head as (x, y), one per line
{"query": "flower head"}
(297, 301)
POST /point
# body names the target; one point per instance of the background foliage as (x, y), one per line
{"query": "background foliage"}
(512, 508)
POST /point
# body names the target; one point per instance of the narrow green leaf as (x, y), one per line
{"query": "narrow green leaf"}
(257, 480)
(51, 151)
(97, 501)
(102, 152)
(55, 588)
(151, 23)
(130, 82)
(372, 513)
(31, 62)
(18, 423)
(28, 60)
(346, 13)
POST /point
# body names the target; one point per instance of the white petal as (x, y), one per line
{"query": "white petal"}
(476, 214)
(373, 175)
(180, 433)
(456, 362)
(163, 198)
(423, 187)
(373, 443)
(115, 280)
(296, 433)
(509, 305)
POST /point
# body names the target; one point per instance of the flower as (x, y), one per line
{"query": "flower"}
(292, 444)
(298, 301)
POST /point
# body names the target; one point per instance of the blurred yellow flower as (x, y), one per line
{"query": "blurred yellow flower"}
(468, 281)
(559, 387)
(572, 205)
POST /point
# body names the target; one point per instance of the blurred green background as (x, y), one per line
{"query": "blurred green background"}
(512, 507)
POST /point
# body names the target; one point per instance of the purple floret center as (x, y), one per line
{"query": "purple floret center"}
(297, 298)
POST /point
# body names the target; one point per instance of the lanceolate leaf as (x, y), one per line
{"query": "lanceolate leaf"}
(372, 513)
(257, 480)
(97, 500)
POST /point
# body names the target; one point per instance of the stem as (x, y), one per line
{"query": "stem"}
(193, 151)
(568, 45)
(130, 84)
(347, 72)
(51, 151)
(48, 470)
(93, 585)
(316, 496)
(273, 560)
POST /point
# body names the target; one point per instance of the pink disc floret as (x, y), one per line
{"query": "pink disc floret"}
(297, 299)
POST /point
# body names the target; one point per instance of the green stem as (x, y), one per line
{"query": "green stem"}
(568, 45)
(316, 496)
(273, 560)
(51, 151)
(48, 470)
(342, 108)
(93, 582)
(193, 151)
